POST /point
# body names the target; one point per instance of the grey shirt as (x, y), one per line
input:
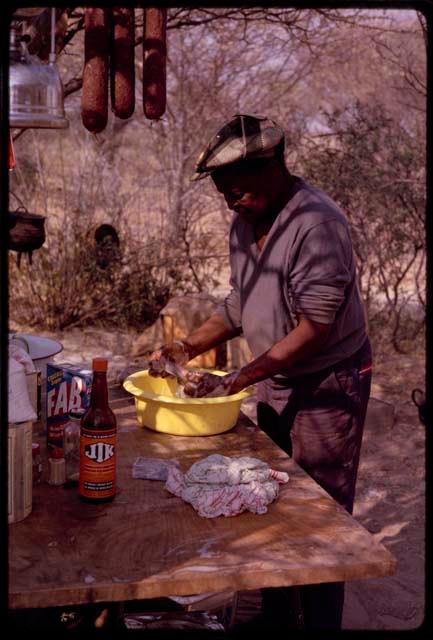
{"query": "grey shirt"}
(306, 267)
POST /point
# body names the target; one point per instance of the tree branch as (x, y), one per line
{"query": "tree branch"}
(72, 85)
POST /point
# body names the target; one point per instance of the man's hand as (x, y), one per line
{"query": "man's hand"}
(208, 385)
(211, 333)
(173, 352)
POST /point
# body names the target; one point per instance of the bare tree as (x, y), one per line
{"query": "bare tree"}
(296, 65)
(375, 169)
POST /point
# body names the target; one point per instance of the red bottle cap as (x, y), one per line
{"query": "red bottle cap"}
(57, 453)
(99, 364)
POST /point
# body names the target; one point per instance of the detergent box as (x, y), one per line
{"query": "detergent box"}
(68, 389)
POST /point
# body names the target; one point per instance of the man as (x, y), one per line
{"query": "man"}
(295, 298)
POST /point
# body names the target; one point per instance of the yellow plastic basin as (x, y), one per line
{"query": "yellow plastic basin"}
(159, 409)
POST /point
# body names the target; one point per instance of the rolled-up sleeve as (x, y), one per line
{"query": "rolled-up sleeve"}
(321, 271)
(230, 308)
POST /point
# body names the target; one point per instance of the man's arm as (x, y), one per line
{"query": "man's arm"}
(212, 332)
(301, 342)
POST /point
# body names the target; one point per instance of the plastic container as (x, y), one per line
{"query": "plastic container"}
(159, 409)
(71, 445)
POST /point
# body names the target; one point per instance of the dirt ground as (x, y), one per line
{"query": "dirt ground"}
(390, 500)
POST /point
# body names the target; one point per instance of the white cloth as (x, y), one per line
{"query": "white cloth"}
(20, 355)
(220, 485)
(19, 406)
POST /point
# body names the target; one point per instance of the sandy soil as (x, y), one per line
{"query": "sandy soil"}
(390, 499)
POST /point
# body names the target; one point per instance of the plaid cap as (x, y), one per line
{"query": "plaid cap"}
(243, 137)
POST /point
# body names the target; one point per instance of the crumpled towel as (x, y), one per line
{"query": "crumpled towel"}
(222, 486)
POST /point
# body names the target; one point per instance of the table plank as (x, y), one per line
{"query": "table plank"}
(148, 543)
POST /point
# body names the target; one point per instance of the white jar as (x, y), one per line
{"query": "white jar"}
(56, 468)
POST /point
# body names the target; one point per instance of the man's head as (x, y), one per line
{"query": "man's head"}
(253, 188)
(246, 161)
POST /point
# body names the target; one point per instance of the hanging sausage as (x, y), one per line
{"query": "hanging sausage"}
(154, 62)
(122, 63)
(94, 100)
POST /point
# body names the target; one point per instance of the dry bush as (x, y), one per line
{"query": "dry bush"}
(66, 286)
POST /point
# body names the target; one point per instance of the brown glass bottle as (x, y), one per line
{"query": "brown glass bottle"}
(98, 442)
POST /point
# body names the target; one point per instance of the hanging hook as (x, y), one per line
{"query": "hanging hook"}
(52, 56)
(19, 200)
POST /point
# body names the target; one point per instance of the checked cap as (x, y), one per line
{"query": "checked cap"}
(243, 137)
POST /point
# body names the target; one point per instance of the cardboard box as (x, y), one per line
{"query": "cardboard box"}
(68, 389)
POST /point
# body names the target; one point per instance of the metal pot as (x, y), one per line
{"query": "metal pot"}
(26, 232)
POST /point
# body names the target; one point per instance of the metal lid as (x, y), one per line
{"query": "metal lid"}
(38, 347)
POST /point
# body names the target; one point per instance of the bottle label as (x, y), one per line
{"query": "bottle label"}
(97, 463)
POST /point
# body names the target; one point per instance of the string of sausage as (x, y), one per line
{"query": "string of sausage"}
(122, 67)
(94, 97)
(109, 41)
(154, 62)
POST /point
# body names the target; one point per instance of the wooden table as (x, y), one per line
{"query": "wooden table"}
(148, 543)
